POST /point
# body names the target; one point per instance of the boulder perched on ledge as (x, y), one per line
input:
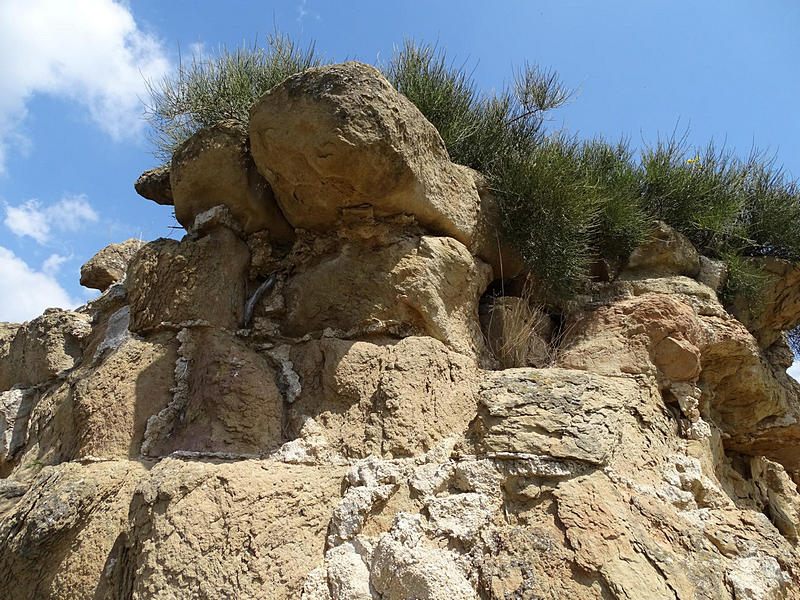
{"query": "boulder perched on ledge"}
(154, 185)
(340, 136)
(109, 265)
(214, 167)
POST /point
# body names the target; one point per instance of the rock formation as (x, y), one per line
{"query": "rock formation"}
(321, 393)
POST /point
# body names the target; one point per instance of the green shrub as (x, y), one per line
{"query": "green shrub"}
(221, 87)
(700, 194)
(771, 211)
(563, 203)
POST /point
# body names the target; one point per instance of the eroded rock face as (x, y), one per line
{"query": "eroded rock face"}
(226, 400)
(415, 285)
(214, 167)
(109, 265)
(390, 399)
(58, 537)
(42, 348)
(239, 417)
(341, 136)
(174, 282)
(205, 531)
(569, 415)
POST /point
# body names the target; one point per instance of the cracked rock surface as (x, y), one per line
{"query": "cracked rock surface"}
(355, 437)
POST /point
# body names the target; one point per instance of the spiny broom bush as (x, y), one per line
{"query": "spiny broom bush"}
(564, 203)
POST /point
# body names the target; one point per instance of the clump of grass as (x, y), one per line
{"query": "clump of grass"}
(220, 87)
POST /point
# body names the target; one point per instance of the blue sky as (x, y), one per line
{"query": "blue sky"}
(72, 141)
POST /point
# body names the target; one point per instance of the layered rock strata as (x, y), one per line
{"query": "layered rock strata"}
(320, 392)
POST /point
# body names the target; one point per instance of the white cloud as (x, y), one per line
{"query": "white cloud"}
(33, 219)
(89, 51)
(28, 219)
(794, 370)
(53, 263)
(25, 293)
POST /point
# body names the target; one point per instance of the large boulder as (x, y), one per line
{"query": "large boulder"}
(214, 167)
(109, 265)
(341, 136)
(43, 348)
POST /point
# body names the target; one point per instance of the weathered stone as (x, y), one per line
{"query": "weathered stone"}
(214, 167)
(368, 145)
(652, 334)
(560, 413)
(193, 280)
(391, 399)
(251, 529)
(665, 252)
(225, 400)
(56, 540)
(416, 286)
(112, 402)
(109, 265)
(758, 578)
(781, 496)
(15, 408)
(403, 568)
(154, 185)
(43, 348)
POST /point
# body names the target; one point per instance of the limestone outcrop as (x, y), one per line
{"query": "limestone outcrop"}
(338, 398)
(109, 265)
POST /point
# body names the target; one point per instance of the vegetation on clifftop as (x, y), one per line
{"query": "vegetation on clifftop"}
(566, 203)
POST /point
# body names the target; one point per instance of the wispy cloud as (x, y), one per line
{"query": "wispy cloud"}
(89, 51)
(303, 11)
(37, 221)
(25, 292)
(52, 264)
